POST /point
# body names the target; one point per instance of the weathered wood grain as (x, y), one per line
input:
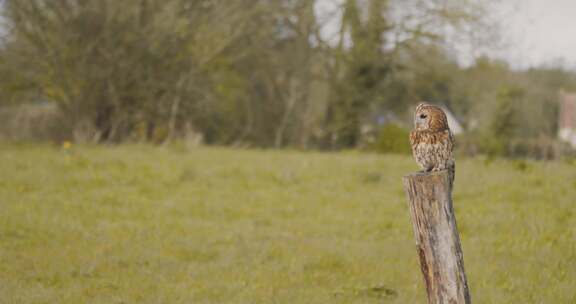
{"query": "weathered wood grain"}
(437, 239)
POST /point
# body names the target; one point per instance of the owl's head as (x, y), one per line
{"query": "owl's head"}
(430, 118)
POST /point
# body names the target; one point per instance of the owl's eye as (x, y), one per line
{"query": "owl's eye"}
(423, 116)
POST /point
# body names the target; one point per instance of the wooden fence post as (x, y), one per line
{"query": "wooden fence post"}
(437, 239)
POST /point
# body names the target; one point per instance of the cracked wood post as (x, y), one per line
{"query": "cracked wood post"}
(437, 239)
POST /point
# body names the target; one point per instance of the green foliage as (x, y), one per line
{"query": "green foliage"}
(263, 74)
(142, 224)
(392, 139)
(504, 118)
(491, 145)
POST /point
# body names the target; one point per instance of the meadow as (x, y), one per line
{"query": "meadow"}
(144, 224)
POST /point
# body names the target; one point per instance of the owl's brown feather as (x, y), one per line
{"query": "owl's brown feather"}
(432, 142)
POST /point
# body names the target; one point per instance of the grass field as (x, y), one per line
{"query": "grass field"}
(142, 224)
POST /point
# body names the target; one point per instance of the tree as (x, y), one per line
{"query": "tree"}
(379, 43)
(120, 69)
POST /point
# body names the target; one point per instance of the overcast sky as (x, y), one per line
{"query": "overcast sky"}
(543, 32)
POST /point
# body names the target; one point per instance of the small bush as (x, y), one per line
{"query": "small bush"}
(392, 139)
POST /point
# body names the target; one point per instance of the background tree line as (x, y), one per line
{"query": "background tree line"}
(265, 72)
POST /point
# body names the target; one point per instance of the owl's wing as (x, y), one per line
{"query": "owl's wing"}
(414, 139)
(450, 141)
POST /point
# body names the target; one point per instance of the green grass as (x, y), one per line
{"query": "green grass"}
(141, 224)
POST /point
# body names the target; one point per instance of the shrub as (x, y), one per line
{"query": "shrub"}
(392, 139)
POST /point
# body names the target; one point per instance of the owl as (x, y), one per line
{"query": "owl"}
(432, 141)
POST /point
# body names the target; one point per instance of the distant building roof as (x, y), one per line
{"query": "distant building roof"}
(567, 118)
(453, 123)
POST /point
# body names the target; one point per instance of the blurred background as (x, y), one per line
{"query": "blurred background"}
(251, 151)
(322, 74)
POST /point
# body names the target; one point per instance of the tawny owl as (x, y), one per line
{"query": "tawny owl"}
(432, 141)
